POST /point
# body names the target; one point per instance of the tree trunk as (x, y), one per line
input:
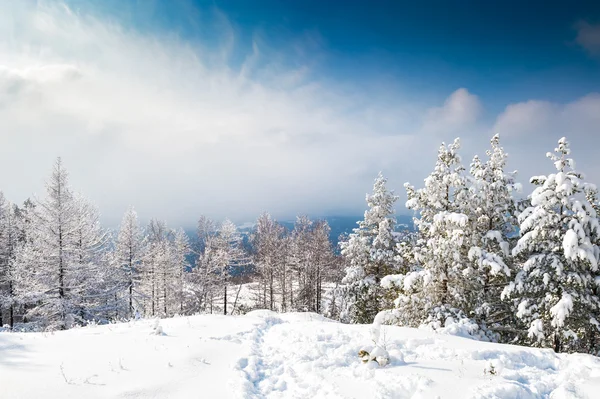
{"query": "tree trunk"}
(225, 299)
(557, 343)
(271, 288)
(236, 299)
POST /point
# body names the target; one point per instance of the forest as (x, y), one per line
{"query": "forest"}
(484, 259)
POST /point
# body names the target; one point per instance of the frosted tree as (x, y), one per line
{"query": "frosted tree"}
(180, 264)
(435, 291)
(371, 253)
(227, 257)
(300, 262)
(201, 282)
(492, 211)
(269, 260)
(127, 258)
(160, 273)
(55, 266)
(93, 284)
(323, 262)
(9, 240)
(556, 285)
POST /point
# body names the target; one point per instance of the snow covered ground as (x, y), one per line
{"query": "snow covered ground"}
(269, 355)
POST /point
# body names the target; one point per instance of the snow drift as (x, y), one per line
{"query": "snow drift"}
(269, 355)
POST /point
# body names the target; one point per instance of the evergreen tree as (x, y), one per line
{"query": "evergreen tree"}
(371, 254)
(556, 283)
(492, 211)
(435, 289)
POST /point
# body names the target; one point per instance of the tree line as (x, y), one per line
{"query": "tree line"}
(60, 268)
(484, 259)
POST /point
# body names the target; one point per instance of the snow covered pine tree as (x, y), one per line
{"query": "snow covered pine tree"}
(371, 253)
(557, 282)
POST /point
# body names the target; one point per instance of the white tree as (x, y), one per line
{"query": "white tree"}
(9, 239)
(435, 290)
(161, 270)
(228, 257)
(371, 253)
(201, 281)
(323, 261)
(492, 214)
(269, 260)
(93, 283)
(57, 263)
(556, 285)
(127, 257)
(180, 264)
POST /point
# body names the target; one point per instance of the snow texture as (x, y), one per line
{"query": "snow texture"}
(269, 355)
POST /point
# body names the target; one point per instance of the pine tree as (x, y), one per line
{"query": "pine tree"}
(434, 290)
(492, 211)
(371, 253)
(556, 283)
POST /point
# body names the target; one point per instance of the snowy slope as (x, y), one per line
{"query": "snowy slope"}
(268, 355)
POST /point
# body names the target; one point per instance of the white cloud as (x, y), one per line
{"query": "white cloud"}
(461, 110)
(580, 118)
(532, 128)
(588, 37)
(174, 128)
(526, 118)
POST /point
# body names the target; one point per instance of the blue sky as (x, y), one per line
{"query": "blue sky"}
(230, 108)
(504, 51)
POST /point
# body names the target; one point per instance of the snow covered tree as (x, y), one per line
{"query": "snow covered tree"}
(299, 262)
(201, 282)
(556, 285)
(179, 253)
(371, 253)
(127, 258)
(9, 239)
(228, 257)
(221, 257)
(94, 282)
(161, 270)
(322, 262)
(492, 214)
(57, 265)
(269, 260)
(435, 290)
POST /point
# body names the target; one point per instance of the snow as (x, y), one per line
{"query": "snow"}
(561, 310)
(269, 355)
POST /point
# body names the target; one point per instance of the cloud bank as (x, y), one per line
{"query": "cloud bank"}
(178, 129)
